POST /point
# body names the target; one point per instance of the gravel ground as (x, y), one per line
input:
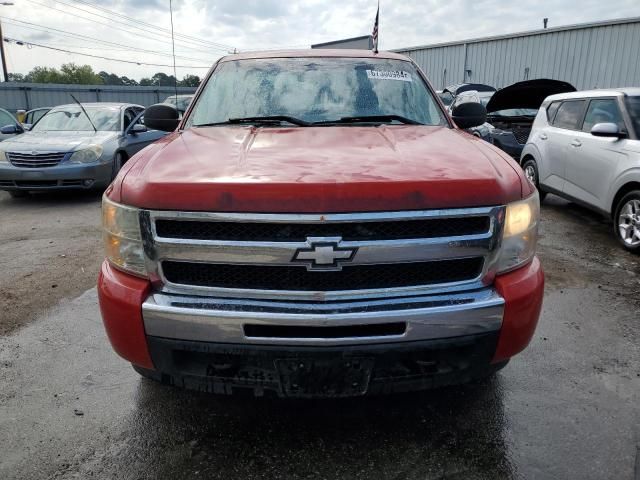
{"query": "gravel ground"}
(50, 250)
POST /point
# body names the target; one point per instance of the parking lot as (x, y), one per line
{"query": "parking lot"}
(567, 407)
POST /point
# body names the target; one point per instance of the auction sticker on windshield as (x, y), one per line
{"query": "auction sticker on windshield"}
(390, 75)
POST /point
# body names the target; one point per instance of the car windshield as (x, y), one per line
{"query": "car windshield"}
(316, 90)
(72, 118)
(485, 97)
(446, 97)
(633, 106)
(181, 102)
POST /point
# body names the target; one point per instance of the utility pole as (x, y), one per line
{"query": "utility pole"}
(4, 61)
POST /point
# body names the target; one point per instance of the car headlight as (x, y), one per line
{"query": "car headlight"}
(122, 238)
(86, 155)
(3, 157)
(520, 235)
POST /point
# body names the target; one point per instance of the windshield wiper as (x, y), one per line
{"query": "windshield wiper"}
(372, 119)
(85, 112)
(269, 120)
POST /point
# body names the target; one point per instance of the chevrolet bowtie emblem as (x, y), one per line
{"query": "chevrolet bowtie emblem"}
(324, 254)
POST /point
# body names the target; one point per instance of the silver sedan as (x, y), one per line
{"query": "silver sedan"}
(73, 147)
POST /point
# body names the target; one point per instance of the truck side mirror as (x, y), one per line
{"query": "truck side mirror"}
(162, 116)
(469, 114)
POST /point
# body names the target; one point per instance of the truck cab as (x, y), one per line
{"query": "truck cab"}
(316, 225)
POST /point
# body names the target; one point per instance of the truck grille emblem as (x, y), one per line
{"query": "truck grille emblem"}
(324, 254)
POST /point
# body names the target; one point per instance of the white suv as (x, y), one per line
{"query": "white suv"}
(585, 146)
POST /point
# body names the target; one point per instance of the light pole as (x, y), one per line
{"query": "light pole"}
(4, 62)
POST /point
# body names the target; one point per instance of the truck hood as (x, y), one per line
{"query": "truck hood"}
(318, 170)
(55, 141)
(527, 94)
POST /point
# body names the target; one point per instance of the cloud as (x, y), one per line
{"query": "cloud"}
(268, 24)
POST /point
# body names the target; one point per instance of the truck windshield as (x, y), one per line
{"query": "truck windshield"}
(72, 118)
(316, 90)
(633, 106)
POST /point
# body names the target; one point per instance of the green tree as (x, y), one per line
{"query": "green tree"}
(16, 77)
(44, 75)
(110, 78)
(128, 81)
(189, 81)
(80, 74)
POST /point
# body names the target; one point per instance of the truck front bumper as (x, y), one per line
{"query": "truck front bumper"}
(412, 343)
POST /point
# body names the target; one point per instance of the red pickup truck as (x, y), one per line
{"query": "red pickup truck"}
(317, 225)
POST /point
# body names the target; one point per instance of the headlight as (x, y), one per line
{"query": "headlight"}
(520, 235)
(86, 155)
(3, 157)
(122, 239)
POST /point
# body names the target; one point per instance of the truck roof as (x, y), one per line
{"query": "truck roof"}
(317, 53)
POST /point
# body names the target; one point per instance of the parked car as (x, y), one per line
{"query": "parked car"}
(321, 228)
(73, 147)
(585, 146)
(8, 120)
(33, 116)
(181, 102)
(482, 131)
(459, 88)
(445, 97)
(512, 109)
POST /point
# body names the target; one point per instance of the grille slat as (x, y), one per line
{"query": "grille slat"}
(522, 135)
(37, 160)
(298, 278)
(299, 232)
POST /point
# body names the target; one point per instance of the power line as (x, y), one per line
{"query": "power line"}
(155, 27)
(23, 42)
(84, 37)
(111, 26)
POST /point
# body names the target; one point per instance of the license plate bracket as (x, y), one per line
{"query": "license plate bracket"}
(324, 377)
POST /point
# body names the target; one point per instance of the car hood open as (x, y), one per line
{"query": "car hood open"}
(527, 94)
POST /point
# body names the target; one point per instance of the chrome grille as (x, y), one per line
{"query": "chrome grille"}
(256, 256)
(298, 278)
(298, 232)
(35, 160)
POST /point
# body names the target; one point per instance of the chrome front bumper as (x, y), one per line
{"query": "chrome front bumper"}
(209, 319)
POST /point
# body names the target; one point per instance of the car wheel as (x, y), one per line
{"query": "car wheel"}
(626, 221)
(118, 161)
(18, 193)
(530, 168)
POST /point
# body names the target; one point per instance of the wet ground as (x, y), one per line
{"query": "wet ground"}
(566, 408)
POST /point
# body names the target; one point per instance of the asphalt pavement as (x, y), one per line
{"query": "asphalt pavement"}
(565, 408)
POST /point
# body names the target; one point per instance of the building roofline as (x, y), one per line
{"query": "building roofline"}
(334, 42)
(528, 33)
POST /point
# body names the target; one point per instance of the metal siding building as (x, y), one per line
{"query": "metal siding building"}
(25, 96)
(364, 43)
(593, 55)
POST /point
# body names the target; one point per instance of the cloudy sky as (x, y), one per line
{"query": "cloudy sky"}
(123, 29)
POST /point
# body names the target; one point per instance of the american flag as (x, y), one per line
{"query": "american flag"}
(375, 30)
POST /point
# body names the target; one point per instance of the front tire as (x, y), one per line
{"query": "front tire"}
(530, 168)
(626, 221)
